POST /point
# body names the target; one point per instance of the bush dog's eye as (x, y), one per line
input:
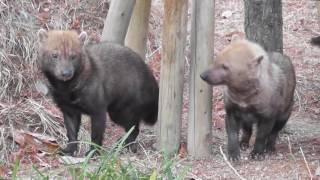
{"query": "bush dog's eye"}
(73, 56)
(54, 55)
(225, 67)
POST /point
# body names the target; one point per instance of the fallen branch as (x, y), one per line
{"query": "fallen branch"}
(229, 164)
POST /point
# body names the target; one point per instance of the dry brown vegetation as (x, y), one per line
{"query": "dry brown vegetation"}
(23, 107)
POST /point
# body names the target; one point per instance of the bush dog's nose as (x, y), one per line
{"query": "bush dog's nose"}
(67, 73)
(204, 75)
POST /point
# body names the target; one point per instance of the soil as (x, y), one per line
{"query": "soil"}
(298, 148)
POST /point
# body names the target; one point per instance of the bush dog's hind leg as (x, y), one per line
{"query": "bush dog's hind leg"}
(246, 135)
(98, 125)
(264, 129)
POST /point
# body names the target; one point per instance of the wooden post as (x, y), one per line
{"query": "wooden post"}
(200, 107)
(117, 21)
(172, 70)
(263, 23)
(318, 10)
(137, 33)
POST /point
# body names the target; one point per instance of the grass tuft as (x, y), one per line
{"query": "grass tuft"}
(110, 165)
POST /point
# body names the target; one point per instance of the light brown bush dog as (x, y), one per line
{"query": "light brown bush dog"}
(259, 88)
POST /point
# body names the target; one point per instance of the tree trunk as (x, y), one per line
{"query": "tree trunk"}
(137, 33)
(200, 107)
(263, 23)
(117, 21)
(318, 9)
(172, 70)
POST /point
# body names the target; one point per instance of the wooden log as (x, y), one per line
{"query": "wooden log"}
(137, 33)
(117, 21)
(200, 106)
(172, 70)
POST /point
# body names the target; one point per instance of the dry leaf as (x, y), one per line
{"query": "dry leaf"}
(17, 156)
(183, 150)
(235, 35)
(218, 123)
(226, 14)
(3, 170)
(71, 160)
(36, 141)
(41, 87)
(43, 17)
(75, 24)
(317, 171)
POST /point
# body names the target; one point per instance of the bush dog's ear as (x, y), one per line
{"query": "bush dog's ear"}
(256, 61)
(42, 35)
(83, 37)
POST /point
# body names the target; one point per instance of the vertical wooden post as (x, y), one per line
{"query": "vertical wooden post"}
(263, 23)
(172, 70)
(318, 10)
(137, 33)
(117, 21)
(200, 106)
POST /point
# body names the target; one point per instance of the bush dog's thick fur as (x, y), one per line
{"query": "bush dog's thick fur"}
(259, 88)
(96, 79)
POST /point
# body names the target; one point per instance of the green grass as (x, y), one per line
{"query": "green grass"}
(108, 166)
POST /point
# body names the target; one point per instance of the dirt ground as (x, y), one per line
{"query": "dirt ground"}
(298, 148)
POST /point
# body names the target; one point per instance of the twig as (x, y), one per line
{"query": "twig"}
(299, 101)
(290, 148)
(293, 157)
(152, 53)
(305, 161)
(3, 105)
(145, 152)
(4, 4)
(229, 164)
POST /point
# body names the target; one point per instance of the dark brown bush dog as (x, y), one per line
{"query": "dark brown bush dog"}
(94, 79)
